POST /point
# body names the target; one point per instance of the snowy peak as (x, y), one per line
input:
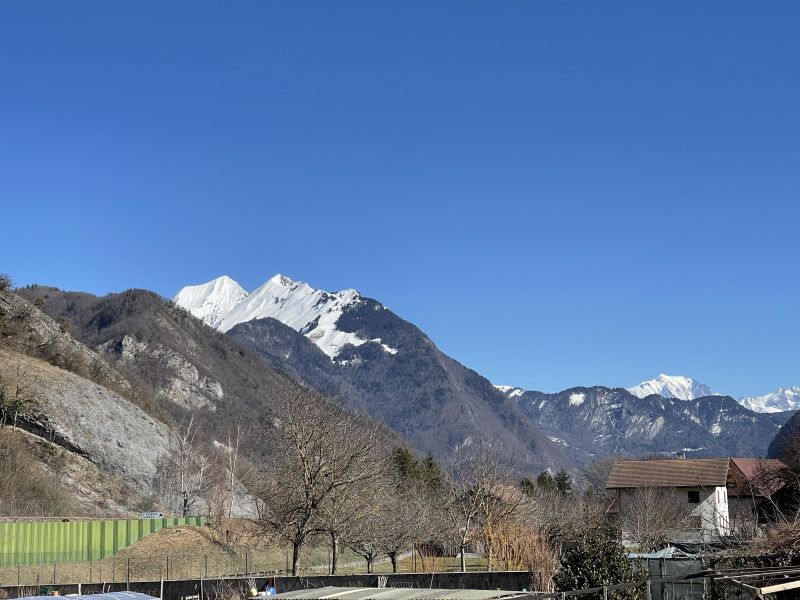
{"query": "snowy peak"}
(211, 301)
(314, 313)
(672, 386)
(782, 399)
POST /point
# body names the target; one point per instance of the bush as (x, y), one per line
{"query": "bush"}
(598, 558)
(5, 282)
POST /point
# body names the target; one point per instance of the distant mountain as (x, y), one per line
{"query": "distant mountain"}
(354, 348)
(686, 388)
(672, 386)
(782, 399)
(600, 421)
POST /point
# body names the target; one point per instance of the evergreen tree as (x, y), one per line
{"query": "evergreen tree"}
(527, 486)
(406, 463)
(545, 482)
(432, 473)
(563, 482)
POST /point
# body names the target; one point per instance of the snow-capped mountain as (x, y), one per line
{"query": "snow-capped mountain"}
(672, 386)
(314, 313)
(782, 399)
(354, 349)
(211, 301)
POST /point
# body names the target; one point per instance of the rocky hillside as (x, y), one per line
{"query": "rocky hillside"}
(600, 421)
(77, 414)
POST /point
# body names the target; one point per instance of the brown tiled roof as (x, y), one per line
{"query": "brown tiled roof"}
(756, 476)
(668, 473)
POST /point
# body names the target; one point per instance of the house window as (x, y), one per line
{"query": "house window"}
(694, 497)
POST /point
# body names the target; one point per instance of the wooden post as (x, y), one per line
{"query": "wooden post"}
(649, 589)
(54, 572)
(605, 592)
(127, 572)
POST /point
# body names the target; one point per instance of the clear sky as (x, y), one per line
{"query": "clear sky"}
(558, 193)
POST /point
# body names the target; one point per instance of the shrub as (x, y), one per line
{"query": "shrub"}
(598, 558)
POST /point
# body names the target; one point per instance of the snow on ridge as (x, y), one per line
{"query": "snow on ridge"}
(312, 312)
(672, 386)
(510, 391)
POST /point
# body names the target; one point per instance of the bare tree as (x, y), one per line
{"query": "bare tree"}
(228, 490)
(233, 466)
(399, 514)
(596, 475)
(478, 493)
(18, 394)
(651, 515)
(320, 454)
(184, 474)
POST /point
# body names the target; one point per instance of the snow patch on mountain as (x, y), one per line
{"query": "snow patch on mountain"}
(782, 399)
(672, 386)
(314, 313)
(576, 399)
(510, 391)
(211, 301)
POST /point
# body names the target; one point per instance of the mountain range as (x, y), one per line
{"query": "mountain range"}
(137, 366)
(356, 349)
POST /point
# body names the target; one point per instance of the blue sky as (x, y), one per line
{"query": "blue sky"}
(560, 194)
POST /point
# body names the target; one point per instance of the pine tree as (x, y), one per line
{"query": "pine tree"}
(545, 482)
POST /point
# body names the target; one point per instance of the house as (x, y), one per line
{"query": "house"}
(716, 496)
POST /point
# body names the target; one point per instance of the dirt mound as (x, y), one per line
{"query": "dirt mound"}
(175, 539)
